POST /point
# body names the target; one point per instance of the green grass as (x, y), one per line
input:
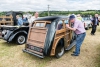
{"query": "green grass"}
(98, 57)
(11, 55)
(98, 30)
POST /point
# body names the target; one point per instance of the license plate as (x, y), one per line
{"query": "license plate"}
(35, 48)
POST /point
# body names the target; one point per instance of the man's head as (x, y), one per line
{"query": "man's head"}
(78, 15)
(96, 15)
(17, 16)
(36, 14)
(72, 19)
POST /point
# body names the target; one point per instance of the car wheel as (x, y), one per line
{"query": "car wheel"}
(87, 28)
(21, 39)
(60, 50)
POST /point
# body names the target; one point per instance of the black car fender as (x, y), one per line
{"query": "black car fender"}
(14, 35)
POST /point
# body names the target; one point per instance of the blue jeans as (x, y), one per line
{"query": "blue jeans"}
(79, 41)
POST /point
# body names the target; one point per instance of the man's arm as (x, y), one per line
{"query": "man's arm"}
(98, 22)
(73, 29)
(92, 23)
(92, 20)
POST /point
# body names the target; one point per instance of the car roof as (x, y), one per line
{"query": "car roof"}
(51, 18)
(11, 12)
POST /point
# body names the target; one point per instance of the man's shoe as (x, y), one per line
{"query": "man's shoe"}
(91, 33)
(74, 55)
(75, 52)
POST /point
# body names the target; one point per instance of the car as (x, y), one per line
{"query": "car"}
(16, 34)
(87, 23)
(48, 36)
(9, 19)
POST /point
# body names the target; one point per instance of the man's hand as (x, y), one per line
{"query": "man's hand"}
(67, 25)
(73, 29)
(91, 23)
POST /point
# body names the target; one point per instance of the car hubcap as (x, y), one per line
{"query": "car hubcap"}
(61, 52)
(21, 39)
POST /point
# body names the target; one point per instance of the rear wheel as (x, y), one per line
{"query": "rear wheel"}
(21, 39)
(60, 50)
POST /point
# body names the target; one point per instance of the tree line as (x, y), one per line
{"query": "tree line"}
(52, 13)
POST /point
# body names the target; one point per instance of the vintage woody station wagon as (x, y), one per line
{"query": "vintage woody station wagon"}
(48, 36)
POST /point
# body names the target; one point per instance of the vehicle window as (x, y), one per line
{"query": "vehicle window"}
(60, 24)
(40, 25)
(1, 19)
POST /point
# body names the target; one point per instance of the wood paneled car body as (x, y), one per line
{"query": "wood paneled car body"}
(49, 36)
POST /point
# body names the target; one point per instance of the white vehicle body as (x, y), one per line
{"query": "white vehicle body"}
(87, 24)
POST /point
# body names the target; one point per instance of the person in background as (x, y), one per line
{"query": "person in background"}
(95, 22)
(19, 20)
(79, 17)
(25, 19)
(36, 15)
(29, 19)
(79, 30)
(90, 17)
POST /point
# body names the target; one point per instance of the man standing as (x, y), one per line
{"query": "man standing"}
(79, 17)
(80, 32)
(36, 15)
(95, 22)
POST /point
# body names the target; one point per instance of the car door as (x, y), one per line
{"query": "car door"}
(36, 37)
(62, 32)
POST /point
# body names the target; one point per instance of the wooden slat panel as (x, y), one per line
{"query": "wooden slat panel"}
(37, 37)
(35, 43)
(60, 31)
(4, 21)
(38, 31)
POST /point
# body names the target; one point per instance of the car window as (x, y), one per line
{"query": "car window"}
(40, 25)
(60, 24)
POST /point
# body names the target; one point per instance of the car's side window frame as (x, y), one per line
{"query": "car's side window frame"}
(63, 23)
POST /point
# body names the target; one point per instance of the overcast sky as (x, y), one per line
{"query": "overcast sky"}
(41, 5)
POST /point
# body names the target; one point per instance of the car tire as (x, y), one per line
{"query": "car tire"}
(87, 28)
(60, 53)
(21, 39)
(60, 50)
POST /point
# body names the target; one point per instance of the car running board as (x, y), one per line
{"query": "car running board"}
(71, 45)
(33, 53)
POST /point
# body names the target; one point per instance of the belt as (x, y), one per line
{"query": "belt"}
(81, 33)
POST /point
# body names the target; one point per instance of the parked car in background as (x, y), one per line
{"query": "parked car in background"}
(48, 36)
(17, 34)
(87, 23)
(9, 19)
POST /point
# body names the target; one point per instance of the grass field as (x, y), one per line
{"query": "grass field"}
(11, 55)
(98, 57)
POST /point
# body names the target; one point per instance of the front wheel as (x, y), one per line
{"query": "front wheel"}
(87, 28)
(21, 39)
